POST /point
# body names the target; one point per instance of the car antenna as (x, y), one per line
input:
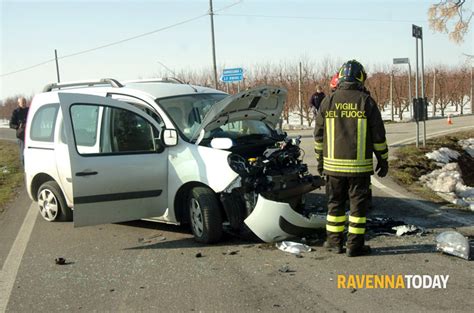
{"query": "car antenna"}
(174, 75)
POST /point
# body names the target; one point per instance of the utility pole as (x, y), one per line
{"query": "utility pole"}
(57, 64)
(423, 88)
(211, 14)
(434, 93)
(472, 103)
(409, 91)
(391, 94)
(299, 94)
(471, 57)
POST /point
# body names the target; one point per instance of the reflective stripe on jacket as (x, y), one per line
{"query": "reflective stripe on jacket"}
(349, 130)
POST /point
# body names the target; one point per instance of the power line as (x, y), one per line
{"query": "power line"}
(323, 18)
(108, 45)
(119, 41)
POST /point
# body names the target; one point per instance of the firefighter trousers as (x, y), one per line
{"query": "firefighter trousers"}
(357, 191)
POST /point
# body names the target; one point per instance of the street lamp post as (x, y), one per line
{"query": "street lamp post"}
(406, 61)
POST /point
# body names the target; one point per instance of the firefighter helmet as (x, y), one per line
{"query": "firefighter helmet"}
(352, 71)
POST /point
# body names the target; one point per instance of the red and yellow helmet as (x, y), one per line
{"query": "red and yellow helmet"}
(334, 81)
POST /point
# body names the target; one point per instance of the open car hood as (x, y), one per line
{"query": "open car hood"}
(263, 103)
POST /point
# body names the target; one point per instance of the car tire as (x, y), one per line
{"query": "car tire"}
(52, 204)
(205, 215)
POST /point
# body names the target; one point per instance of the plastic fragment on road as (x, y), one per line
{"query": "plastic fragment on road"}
(452, 242)
(292, 247)
(407, 230)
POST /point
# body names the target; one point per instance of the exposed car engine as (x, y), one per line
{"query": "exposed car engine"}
(277, 175)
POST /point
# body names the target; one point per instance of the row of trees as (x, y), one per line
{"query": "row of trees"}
(444, 85)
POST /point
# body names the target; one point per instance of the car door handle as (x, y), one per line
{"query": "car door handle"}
(86, 173)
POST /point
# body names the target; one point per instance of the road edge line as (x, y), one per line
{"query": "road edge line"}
(12, 263)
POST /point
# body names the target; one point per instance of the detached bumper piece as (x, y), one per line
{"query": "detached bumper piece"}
(275, 221)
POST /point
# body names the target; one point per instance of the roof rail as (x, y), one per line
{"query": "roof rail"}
(158, 80)
(110, 81)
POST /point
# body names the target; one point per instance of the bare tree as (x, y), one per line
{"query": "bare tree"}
(450, 16)
(400, 96)
(378, 84)
(443, 89)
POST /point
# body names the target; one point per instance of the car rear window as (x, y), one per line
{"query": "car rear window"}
(42, 126)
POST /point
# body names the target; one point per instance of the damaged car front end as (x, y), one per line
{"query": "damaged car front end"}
(269, 194)
(267, 198)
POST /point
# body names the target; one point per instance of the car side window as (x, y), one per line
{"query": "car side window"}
(139, 104)
(118, 130)
(85, 121)
(42, 126)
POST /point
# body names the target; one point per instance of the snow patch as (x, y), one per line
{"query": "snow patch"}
(467, 145)
(4, 123)
(448, 184)
(443, 155)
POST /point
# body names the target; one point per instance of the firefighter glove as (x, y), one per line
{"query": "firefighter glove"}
(382, 168)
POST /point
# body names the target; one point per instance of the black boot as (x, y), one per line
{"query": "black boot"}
(333, 248)
(364, 250)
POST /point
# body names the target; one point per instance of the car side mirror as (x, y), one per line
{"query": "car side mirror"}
(170, 137)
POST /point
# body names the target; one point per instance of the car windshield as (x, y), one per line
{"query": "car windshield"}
(241, 131)
(188, 111)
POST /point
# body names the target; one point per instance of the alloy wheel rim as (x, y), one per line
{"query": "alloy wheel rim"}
(196, 218)
(48, 205)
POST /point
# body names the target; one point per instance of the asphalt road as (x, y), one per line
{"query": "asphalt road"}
(145, 266)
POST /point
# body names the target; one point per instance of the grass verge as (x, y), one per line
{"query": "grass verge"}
(410, 164)
(11, 175)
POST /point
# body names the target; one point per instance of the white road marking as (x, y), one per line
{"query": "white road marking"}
(12, 263)
(435, 134)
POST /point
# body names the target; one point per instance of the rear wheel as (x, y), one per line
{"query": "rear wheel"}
(205, 215)
(52, 204)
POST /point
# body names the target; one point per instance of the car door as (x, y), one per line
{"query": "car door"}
(119, 166)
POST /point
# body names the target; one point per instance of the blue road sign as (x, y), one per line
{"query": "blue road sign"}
(232, 78)
(232, 71)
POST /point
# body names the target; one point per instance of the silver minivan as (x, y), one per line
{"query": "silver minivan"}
(105, 152)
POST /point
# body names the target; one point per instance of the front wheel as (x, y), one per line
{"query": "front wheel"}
(205, 215)
(52, 204)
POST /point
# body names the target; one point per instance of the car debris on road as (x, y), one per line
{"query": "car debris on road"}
(453, 243)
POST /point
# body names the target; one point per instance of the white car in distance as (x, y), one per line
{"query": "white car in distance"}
(109, 152)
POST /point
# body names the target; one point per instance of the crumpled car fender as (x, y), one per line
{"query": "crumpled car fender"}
(275, 221)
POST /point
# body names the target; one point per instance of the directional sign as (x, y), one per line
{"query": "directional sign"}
(417, 31)
(232, 78)
(232, 75)
(401, 61)
(232, 71)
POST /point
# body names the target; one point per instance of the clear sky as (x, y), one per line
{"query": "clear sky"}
(251, 32)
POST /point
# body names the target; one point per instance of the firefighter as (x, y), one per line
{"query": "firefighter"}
(349, 130)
